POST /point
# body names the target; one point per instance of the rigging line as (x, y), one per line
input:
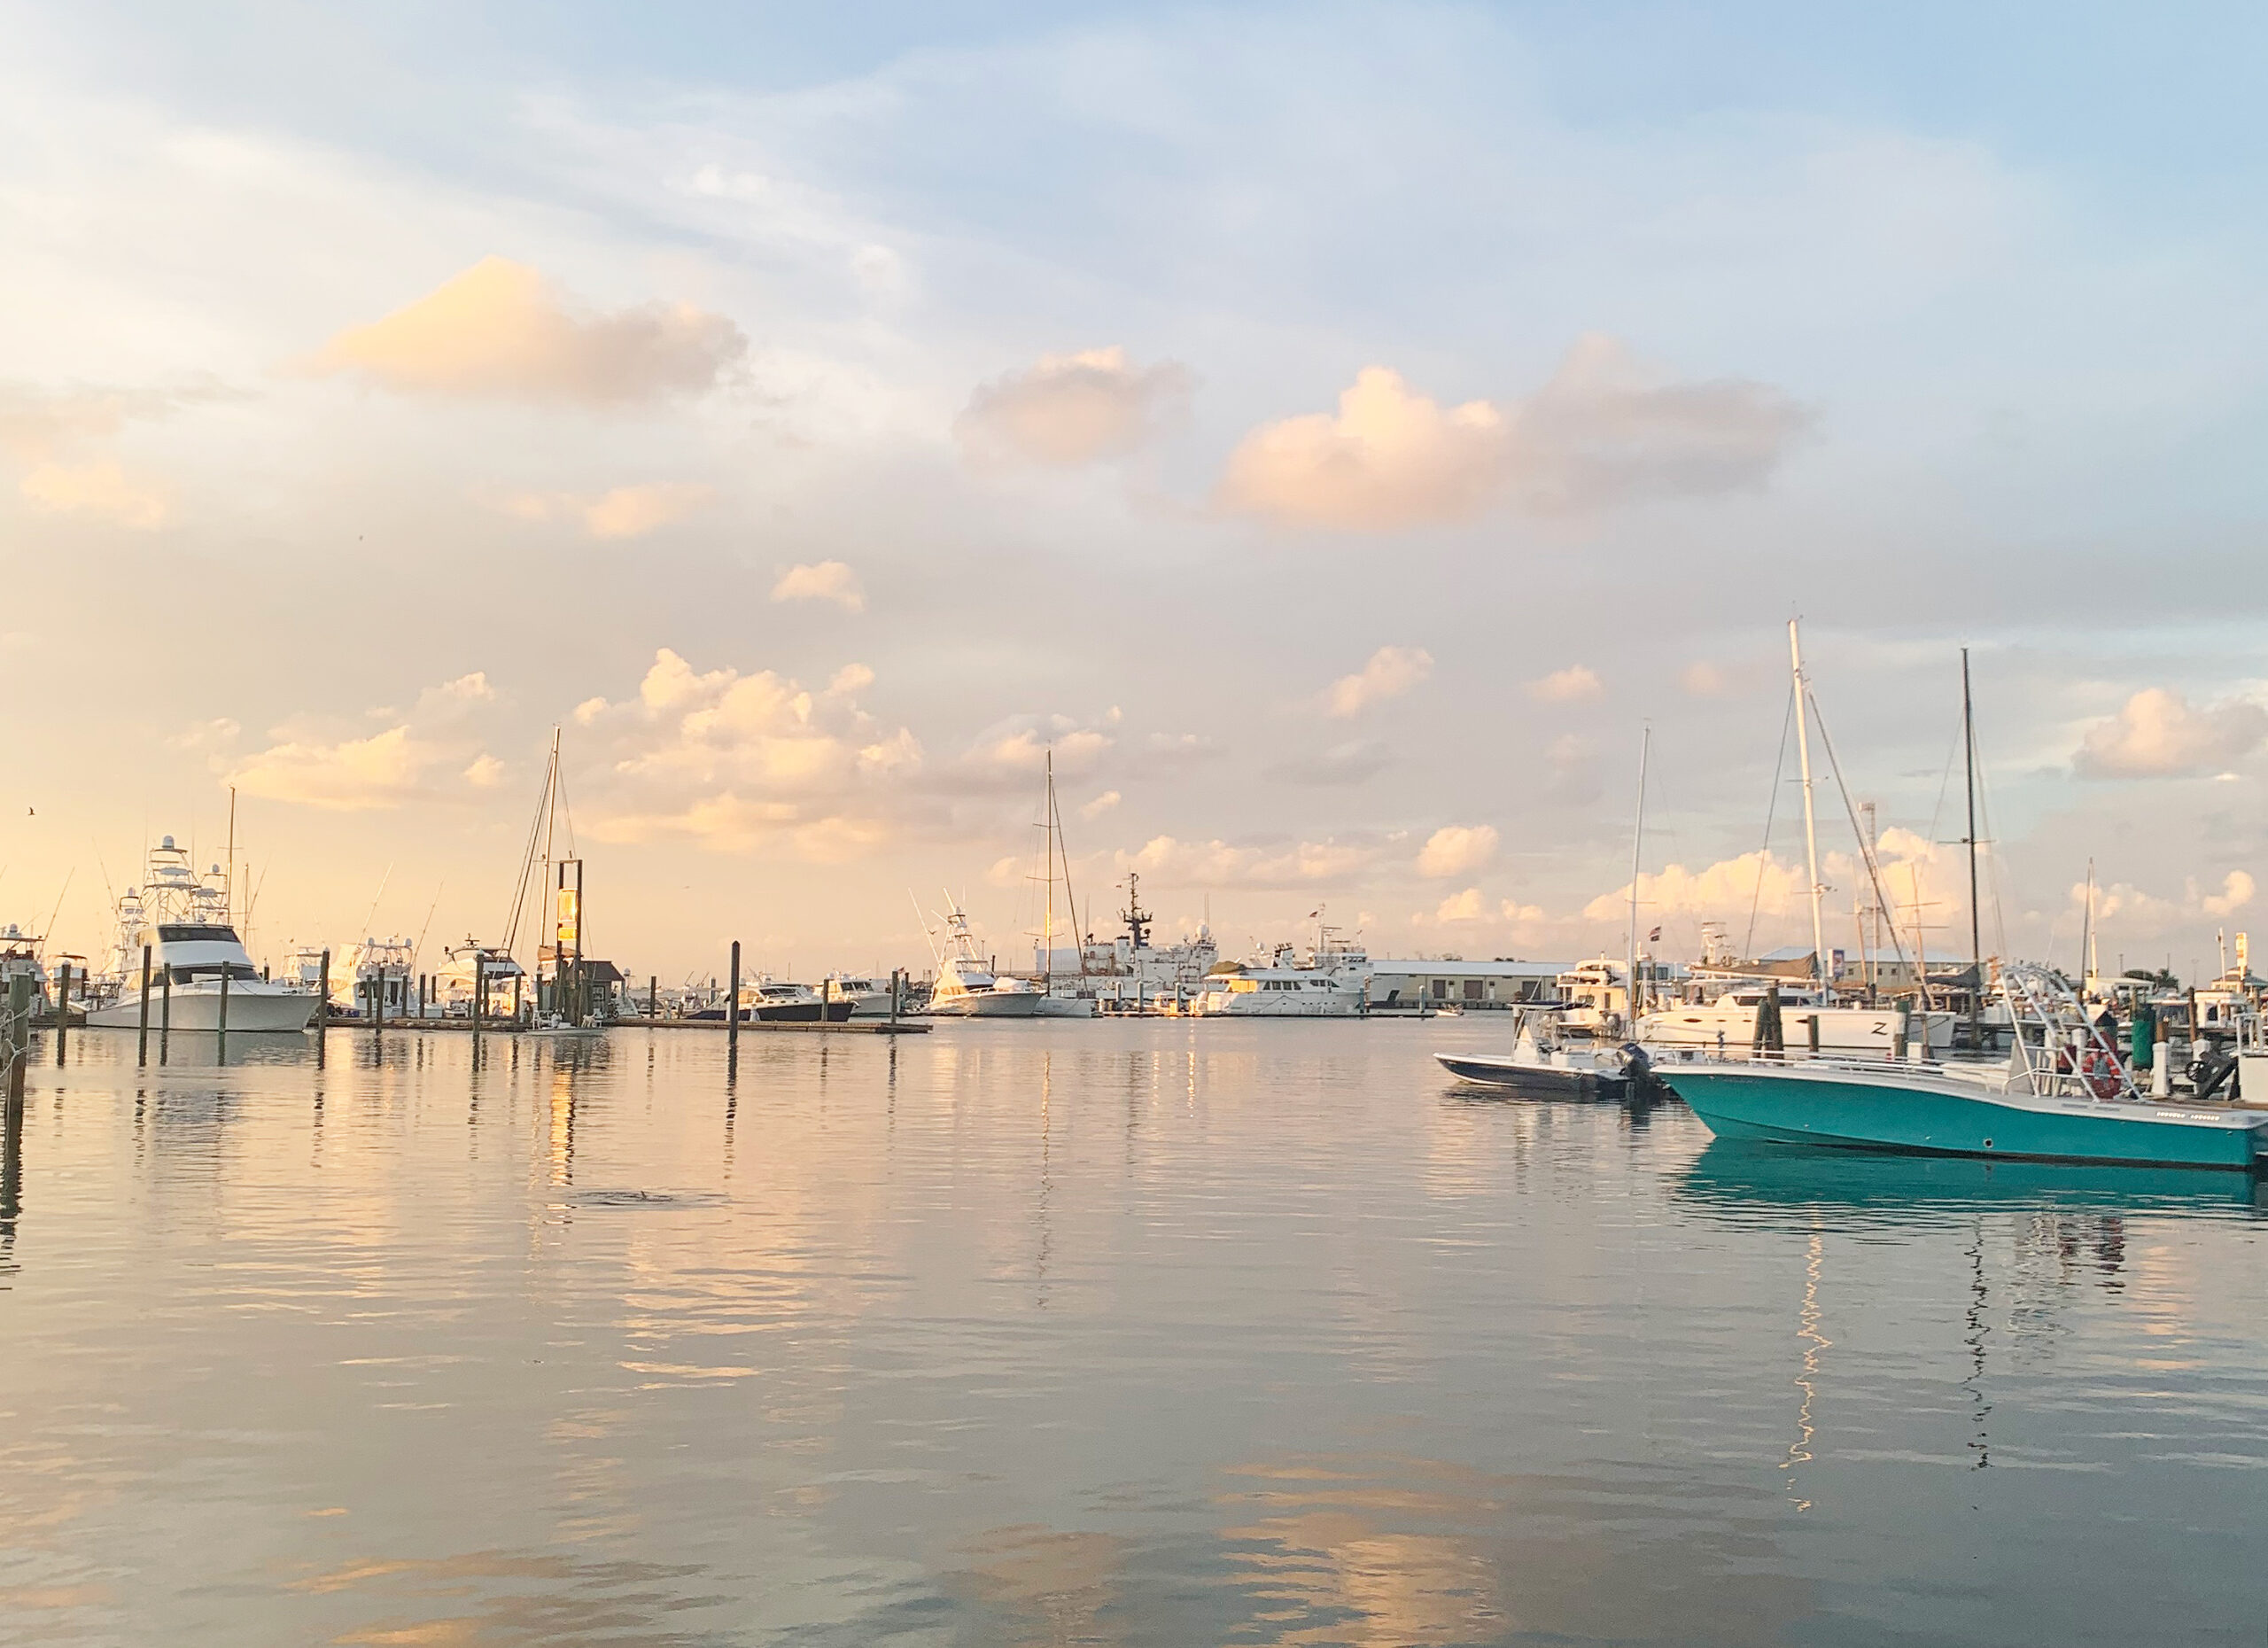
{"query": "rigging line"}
(418, 948)
(1866, 848)
(372, 913)
(1945, 779)
(1988, 836)
(527, 866)
(1771, 811)
(48, 932)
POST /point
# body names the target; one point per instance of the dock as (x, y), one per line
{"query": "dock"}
(748, 1027)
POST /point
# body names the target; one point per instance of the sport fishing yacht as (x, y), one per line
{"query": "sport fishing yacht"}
(966, 987)
(197, 961)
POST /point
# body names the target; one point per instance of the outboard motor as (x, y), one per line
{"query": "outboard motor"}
(2207, 1074)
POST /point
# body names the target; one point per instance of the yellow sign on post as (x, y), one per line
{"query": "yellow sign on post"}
(569, 933)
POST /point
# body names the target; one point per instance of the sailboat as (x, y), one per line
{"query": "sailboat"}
(1069, 998)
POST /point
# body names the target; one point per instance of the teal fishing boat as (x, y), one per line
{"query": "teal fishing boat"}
(2063, 1096)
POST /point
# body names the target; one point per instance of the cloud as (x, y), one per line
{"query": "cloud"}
(1072, 409)
(625, 512)
(1718, 891)
(1456, 849)
(1388, 458)
(1219, 864)
(1468, 906)
(99, 489)
(2138, 913)
(1341, 764)
(499, 331)
(2158, 735)
(1100, 805)
(1391, 672)
(1571, 684)
(1605, 430)
(433, 753)
(1015, 752)
(828, 580)
(749, 762)
(1705, 679)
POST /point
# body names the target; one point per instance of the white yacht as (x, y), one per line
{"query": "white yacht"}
(965, 986)
(452, 985)
(197, 961)
(20, 954)
(869, 998)
(1277, 990)
(1729, 1023)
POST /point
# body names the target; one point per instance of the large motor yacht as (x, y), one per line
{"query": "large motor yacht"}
(197, 961)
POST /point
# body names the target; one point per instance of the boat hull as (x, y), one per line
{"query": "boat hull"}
(1864, 1111)
(1535, 1081)
(986, 1003)
(254, 1009)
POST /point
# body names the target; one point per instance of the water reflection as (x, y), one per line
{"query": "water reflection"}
(1770, 1184)
(1385, 1550)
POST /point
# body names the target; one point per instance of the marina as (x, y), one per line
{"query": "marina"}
(1145, 1330)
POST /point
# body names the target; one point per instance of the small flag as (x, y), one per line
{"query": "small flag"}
(1655, 936)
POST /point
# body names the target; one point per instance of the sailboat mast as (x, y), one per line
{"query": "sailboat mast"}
(1810, 829)
(1637, 843)
(1976, 917)
(1047, 847)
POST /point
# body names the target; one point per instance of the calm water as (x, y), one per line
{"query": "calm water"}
(1118, 1333)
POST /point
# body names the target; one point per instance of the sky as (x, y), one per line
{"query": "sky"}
(1334, 434)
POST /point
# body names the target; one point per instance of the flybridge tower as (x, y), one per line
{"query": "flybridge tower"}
(1138, 920)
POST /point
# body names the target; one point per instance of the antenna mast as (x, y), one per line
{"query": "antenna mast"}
(1810, 831)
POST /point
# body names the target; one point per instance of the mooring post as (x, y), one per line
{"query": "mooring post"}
(653, 996)
(894, 973)
(165, 1012)
(62, 1010)
(732, 1005)
(19, 1033)
(378, 1006)
(479, 993)
(142, 1045)
(224, 1007)
(322, 997)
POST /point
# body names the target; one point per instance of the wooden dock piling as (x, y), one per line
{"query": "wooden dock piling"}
(142, 1043)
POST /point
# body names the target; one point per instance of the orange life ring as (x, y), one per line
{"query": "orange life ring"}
(2100, 1074)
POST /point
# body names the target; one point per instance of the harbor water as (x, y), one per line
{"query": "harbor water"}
(1129, 1333)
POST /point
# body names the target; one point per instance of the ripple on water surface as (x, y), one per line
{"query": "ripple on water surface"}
(1058, 1332)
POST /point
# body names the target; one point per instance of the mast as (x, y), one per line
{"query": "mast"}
(1976, 937)
(2086, 934)
(1637, 842)
(229, 876)
(1047, 849)
(1811, 831)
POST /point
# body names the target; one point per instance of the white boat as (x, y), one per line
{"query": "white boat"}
(19, 955)
(1545, 1064)
(869, 998)
(197, 961)
(1276, 990)
(1728, 1025)
(452, 985)
(966, 987)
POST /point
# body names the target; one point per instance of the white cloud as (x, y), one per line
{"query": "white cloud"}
(1705, 679)
(1072, 409)
(498, 329)
(1604, 431)
(99, 489)
(2157, 733)
(1571, 684)
(432, 754)
(1340, 764)
(825, 580)
(1457, 849)
(2125, 909)
(623, 512)
(1100, 805)
(745, 762)
(1391, 672)
(1468, 906)
(1219, 864)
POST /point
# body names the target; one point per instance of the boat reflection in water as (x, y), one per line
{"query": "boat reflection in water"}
(1742, 1177)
